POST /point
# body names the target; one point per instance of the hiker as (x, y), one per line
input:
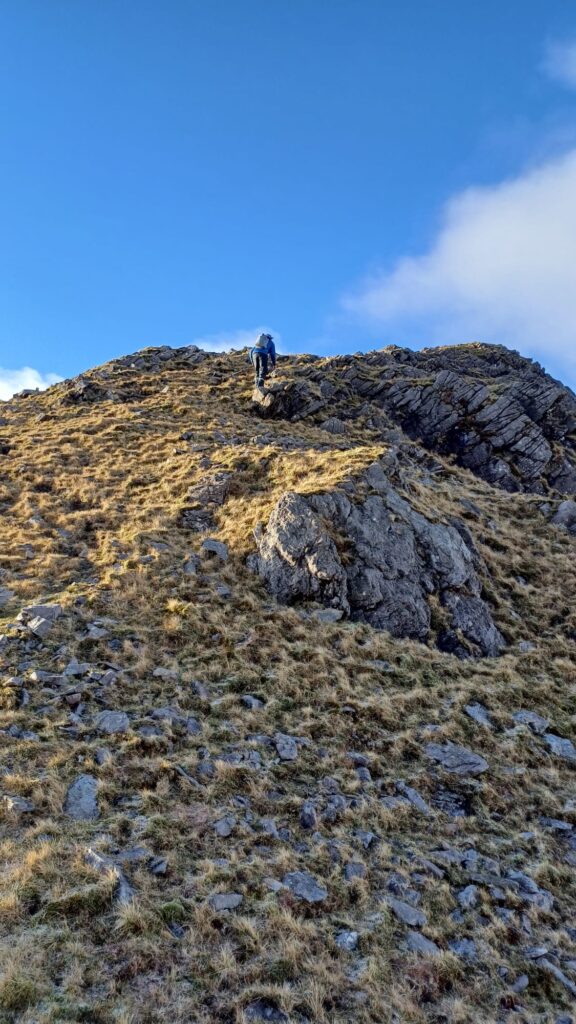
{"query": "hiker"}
(263, 350)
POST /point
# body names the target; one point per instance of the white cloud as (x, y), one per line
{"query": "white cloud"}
(226, 340)
(502, 268)
(12, 381)
(560, 63)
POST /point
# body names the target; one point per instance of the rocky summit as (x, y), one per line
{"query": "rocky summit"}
(287, 692)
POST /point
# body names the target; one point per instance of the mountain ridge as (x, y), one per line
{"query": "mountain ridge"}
(225, 803)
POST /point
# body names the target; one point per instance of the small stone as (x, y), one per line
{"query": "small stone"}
(479, 714)
(81, 799)
(456, 759)
(308, 816)
(407, 914)
(537, 723)
(417, 943)
(413, 797)
(286, 747)
(18, 805)
(225, 901)
(364, 774)
(165, 673)
(39, 626)
(158, 866)
(464, 948)
(225, 826)
(561, 747)
(354, 869)
(5, 596)
(347, 941)
(521, 984)
(468, 897)
(273, 884)
(103, 755)
(215, 548)
(328, 615)
(263, 1009)
(305, 887)
(110, 722)
(252, 703)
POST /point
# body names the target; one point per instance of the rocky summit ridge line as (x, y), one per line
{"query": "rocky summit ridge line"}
(287, 692)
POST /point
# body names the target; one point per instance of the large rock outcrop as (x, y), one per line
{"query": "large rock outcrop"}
(500, 414)
(371, 555)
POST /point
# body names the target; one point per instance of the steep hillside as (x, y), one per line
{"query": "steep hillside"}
(287, 692)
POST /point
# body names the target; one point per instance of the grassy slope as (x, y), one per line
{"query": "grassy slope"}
(102, 485)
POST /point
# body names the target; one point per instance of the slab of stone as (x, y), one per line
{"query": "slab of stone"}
(456, 759)
(347, 941)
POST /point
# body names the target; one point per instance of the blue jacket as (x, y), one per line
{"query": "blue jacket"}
(269, 350)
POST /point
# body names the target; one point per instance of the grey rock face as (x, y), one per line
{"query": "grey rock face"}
(203, 499)
(561, 747)
(305, 887)
(81, 801)
(109, 722)
(456, 759)
(505, 433)
(292, 401)
(396, 558)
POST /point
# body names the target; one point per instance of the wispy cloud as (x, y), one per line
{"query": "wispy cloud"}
(560, 62)
(226, 340)
(500, 269)
(12, 381)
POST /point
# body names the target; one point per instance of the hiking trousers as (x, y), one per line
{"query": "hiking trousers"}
(260, 361)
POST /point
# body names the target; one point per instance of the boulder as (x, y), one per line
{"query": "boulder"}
(395, 558)
(305, 887)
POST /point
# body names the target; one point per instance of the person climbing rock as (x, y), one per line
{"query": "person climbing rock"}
(263, 350)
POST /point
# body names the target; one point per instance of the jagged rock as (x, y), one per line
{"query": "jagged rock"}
(81, 800)
(412, 796)
(292, 400)
(305, 887)
(561, 747)
(110, 722)
(225, 826)
(498, 413)
(456, 759)
(396, 558)
(468, 897)
(308, 816)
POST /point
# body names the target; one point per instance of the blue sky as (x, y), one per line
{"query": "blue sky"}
(347, 173)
